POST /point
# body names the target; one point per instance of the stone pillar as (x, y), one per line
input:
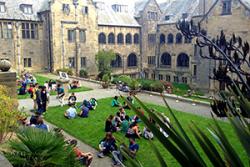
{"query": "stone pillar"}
(9, 79)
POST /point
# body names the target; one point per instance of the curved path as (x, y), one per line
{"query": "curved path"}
(99, 93)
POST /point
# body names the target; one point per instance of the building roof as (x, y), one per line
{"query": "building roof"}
(107, 16)
(13, 11)
(177, 8)
(246, 3)
(140, 6)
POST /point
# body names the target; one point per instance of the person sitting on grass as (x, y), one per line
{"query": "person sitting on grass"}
(109, 125)
(107, 145)
(70, 113)
(34, 118)
(117, 121)
(147, 134)
(22, 90)
(122, 113)
(93, 103)
(117, 156)
(41, 125)
(115, 102)
(84, 158)
(72, 99)
(125, 124)
(133, 131)
(84, 112)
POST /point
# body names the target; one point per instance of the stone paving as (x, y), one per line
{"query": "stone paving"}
(100, 93)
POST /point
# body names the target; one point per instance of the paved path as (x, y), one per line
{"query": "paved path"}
(100, 93)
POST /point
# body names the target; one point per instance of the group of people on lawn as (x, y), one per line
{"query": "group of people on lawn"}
(119, 122)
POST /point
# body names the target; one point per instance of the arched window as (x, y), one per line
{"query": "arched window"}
(111, 38)
(136, 39)
(132, 60)
(170, 38)
(162, 39)
(178, 38)
(120, 38)
(166, 59)
(117, 62)
(102, 38)
(182, 60)
(128, 39)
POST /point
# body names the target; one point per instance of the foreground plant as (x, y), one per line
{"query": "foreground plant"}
(182, 148)
(8, 115)
(36, 148)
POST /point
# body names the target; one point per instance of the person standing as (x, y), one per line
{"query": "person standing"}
(44, 99)
(39, 99)
(33, 96)
(60, 94)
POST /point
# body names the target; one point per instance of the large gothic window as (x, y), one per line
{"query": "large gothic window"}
(166, 59)
(102, 38)
(162, 39)
(170, 38)
(132, 60)
(178, 38)
(128, 39)
(120, 38)
(136, 39)
(182, 60)
(111, 38)
(117, 62)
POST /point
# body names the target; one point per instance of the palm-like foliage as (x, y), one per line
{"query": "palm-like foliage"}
(181, 147)
(36, 148)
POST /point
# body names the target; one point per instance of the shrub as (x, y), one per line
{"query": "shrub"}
(8, 114)
(83, 73)
(125, 79)
(39, 148)
(157, 86)
(106, 78)
(146, 84)
(67, 70)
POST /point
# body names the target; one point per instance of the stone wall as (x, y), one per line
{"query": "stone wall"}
(16, 48)
(123, 50)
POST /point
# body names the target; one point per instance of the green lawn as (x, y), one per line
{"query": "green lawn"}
(91, 130)
(41, 80)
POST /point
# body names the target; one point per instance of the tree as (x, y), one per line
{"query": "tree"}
(37, 148)
(103, 61)
(8, 114)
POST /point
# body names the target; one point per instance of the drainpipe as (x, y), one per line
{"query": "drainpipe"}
(18, 48)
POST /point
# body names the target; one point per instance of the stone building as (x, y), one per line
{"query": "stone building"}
(46, 35)
(120, 32)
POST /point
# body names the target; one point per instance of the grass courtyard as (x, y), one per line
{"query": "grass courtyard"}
(41, 80)
(91, 130)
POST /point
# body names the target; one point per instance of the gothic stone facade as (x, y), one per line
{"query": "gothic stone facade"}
(45, 35)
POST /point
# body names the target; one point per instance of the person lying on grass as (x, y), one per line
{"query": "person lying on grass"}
(84, 158)
(70, 113)
(115, 102)
(107, 145)
(132, 151)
